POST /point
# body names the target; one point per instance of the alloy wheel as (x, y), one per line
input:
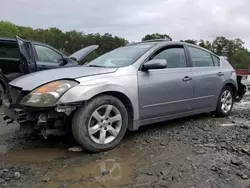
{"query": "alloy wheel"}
(226, 101)
(104, 124)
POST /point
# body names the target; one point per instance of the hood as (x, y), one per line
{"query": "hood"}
(81, 54)
(31, 81)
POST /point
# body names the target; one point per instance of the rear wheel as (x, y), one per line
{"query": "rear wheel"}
(225, 102)
(101, 124)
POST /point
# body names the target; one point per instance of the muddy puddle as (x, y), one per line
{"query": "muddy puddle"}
(35, 155)
(114, 170)
(79, 169)
(98, 174)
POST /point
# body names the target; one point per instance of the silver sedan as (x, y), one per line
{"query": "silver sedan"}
(129, 87)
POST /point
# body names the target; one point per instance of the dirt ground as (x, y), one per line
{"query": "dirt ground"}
(196, 152)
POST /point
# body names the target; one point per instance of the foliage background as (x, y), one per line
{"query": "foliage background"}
(71, 41)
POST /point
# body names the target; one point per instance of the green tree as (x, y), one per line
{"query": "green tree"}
(205, 44)
(156, 36)
(233, 49)
(8, 29)
(220, 46)
(71, 41)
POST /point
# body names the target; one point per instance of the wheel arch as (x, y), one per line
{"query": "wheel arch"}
(233, 86)
(230, 83)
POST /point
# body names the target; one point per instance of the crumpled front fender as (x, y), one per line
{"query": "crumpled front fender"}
(91, 87)
(86, 91)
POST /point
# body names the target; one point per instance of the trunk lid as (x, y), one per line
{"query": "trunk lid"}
(81, 54)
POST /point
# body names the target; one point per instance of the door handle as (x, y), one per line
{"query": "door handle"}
(186, 79)
(220, 74)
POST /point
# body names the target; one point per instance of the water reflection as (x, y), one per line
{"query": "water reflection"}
(105, 173)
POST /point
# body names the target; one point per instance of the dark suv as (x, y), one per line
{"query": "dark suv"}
(19, 57)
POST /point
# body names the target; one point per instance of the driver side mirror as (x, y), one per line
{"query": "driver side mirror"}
(64, 61)
(155, 64)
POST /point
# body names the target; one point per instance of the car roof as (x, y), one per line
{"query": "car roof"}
(163, 42)
(6, 39)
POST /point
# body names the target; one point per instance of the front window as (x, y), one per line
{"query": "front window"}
(121, 57)
(46, 54)
(175, 57)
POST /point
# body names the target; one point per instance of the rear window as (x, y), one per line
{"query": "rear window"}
(200, 58)
(216, 60)
(9, 50)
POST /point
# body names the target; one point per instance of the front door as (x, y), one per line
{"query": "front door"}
(28, 63)
(168, 91)
(47, 58)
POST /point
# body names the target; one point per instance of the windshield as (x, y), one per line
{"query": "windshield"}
(121, 57)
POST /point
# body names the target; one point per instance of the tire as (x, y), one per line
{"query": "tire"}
(2, 92)
(220, 111)
(116, 122)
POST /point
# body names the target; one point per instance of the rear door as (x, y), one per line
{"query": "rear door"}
(207, 78)
(28, 62)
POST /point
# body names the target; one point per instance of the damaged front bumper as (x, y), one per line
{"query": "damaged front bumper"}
(46, 121)
(39, 116)
(16, 114)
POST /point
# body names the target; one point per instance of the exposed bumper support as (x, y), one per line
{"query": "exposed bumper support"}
(16, 114)
(44, 121)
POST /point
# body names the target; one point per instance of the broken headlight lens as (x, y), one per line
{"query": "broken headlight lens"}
(48, 94)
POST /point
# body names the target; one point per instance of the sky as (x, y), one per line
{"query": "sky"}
(133, 19)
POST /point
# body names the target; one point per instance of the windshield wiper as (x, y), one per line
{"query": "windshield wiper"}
(94, 66)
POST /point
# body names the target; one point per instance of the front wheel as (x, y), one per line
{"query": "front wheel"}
(225, 102)
(101, 124)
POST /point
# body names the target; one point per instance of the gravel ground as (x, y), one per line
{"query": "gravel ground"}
(196, 152)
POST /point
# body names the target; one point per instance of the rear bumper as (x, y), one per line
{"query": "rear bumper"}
(242, 89)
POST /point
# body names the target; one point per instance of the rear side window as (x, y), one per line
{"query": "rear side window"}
(200, 58)
(9, 50)
(216, 60)
(175, 57)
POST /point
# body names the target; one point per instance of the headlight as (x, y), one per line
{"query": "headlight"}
(48, 94)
